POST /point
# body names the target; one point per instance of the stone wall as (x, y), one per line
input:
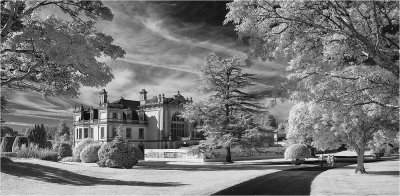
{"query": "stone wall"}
(214, 155)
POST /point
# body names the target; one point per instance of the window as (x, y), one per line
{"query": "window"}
(102, 132)
(128, 132)
(85, 133)
(91, 133)
(114, 132)
(80, 133)
(114, 115)
(77, 134)
(141, 133)
(177, 126)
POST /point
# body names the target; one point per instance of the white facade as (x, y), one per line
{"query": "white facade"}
(151, 123)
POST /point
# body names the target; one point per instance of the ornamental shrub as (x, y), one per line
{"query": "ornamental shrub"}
(90, 153)
(64, 150)
(117, 154)
(7, 143)
(138, 153)
(18, 142)
(297, 152)
(79, 147)
(33, 151)
(48, 155)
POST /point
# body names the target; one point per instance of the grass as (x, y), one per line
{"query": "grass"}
(382, 179)
(146, 178)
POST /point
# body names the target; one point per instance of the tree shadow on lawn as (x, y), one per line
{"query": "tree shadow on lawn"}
(201, 167)
(59, 176)
(288, 182)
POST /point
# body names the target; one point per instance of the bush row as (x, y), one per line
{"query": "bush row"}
(33, 151)
(117, 154)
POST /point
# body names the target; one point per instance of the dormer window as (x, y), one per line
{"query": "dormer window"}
(128, 116)
(141, 115)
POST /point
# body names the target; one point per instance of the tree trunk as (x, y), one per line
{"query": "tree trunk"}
(228, 158)
(360, 161)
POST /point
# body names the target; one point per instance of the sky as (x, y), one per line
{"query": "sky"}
(163, 41)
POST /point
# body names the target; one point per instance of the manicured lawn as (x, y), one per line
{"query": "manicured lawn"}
(30, 176)
(382, 179)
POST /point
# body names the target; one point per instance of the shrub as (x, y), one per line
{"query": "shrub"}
(18, 142)
(297, 152)
(80, 146)
(117, 154)
(48, 155)
(64, 150)
(8, 154)
(67, 159)
(33, 151)
(7, 143)
(138, 153)
(49, 144)
(90, 153)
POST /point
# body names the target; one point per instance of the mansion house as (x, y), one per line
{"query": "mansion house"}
(152, 123)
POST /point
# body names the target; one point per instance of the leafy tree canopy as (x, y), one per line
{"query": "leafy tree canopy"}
(54, 55)
(343, 64)
(8, 131)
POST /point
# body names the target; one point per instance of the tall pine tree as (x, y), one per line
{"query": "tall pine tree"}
(224, 116)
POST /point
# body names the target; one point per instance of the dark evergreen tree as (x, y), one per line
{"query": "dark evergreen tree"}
(37, 136)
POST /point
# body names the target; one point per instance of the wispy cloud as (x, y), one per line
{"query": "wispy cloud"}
(18, 123)
(162, 49)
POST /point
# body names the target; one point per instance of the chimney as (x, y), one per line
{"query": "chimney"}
(159, 98)
(103, 97)
(143, 97)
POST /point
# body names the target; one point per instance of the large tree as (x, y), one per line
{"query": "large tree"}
(7, 131)
(331, 125)
(343, 56)
(225, 117)
(54, 55)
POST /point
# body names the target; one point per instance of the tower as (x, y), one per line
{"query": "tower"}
(143, 97)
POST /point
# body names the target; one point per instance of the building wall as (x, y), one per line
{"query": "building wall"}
(154, 118)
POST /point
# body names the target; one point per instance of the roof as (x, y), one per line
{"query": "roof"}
(133, 105)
